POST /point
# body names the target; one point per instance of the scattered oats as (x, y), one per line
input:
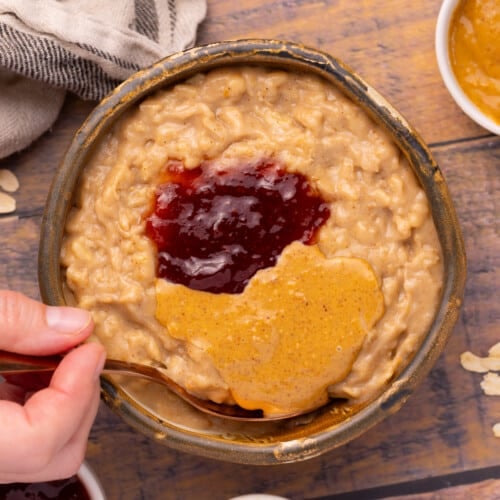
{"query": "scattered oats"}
(8, 181)
(495, 351)
(491, 381)
(7, 204)
(491, 384)
(477, 364)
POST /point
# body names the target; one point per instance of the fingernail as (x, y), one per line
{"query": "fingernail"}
(100, 365)
(67, 320)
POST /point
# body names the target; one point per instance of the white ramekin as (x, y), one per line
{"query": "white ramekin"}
(92, 484)
(258, 496)
(443, 58)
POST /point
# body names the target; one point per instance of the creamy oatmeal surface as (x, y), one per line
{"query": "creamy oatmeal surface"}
(379, 213)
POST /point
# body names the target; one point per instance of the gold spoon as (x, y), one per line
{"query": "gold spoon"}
(11, 363)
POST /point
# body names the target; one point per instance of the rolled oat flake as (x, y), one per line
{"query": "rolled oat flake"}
(7, 204)
(8, 181)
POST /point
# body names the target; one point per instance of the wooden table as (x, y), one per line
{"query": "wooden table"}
(440, 444)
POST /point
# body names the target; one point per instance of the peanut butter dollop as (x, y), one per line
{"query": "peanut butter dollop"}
(475, 53)
(296, 328)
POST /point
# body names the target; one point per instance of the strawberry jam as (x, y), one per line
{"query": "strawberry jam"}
(215, 228)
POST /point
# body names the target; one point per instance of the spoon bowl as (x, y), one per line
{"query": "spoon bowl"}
(13, 363)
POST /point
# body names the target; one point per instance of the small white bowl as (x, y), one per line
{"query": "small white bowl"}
(443, 58)
(92, 484)
(258, 496)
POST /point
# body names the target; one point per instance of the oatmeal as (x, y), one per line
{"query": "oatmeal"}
(379, 236)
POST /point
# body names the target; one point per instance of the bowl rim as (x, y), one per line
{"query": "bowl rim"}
(89, 479)
(441, 44)
(284, 54)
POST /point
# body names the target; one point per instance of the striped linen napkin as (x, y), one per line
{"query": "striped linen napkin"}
(49, 47)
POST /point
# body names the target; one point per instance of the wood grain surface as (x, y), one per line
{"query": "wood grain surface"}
(440, 444)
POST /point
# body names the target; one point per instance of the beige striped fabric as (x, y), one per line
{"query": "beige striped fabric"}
(49, 47)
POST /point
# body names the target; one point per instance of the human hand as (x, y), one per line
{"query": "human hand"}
(43, 435)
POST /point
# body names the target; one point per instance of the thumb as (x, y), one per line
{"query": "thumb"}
(30, 327)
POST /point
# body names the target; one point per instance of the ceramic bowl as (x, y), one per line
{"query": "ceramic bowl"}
(442, 46)
(91, 482)
(302, 437)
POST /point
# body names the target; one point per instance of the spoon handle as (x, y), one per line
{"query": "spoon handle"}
(11, 363)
